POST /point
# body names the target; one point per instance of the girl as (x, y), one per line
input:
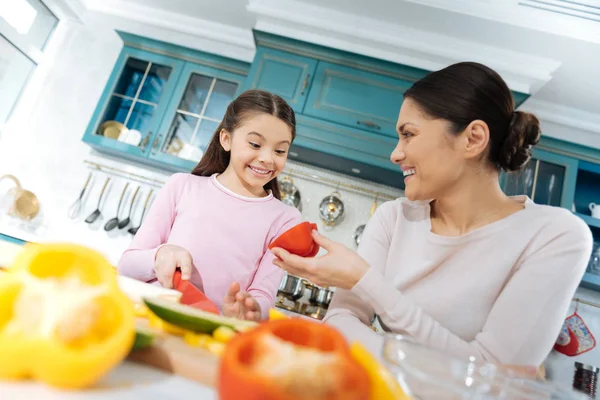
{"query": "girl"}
(216, 223)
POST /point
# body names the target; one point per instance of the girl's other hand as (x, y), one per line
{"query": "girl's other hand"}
(168, 258)
(241, 304)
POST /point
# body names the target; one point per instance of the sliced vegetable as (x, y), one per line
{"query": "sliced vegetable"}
(224, 334)
(63, 319)
(192, 319)
(291, 359)
(144, 337)
(383, 384)
(204, 341)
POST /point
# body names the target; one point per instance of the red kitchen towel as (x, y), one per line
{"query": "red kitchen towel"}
(575, 337)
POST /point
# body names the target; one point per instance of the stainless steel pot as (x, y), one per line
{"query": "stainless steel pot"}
(331, 209)
(290, 194)
(292, 287)
(320, 296)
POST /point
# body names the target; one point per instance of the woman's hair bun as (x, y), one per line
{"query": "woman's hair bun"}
(523, 133)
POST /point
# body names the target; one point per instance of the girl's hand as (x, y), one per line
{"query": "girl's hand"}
(240, 304)
(168, 258)
(340, 267)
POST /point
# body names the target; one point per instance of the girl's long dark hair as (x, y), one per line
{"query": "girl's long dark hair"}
(216, 159)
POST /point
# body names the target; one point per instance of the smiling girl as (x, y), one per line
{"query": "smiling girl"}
(216, 223)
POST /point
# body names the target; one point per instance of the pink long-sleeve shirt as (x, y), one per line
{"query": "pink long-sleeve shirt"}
(500, 292)
(226, 234)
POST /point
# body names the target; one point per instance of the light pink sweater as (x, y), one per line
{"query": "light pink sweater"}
(500, 292)
(226, 234)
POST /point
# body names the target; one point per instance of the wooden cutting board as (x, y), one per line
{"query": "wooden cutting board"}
(171, 354)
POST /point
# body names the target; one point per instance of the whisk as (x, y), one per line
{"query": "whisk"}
(75, 208)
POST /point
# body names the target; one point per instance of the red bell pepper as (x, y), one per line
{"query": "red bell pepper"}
(298, 240)
(291, 359)
(192, 296)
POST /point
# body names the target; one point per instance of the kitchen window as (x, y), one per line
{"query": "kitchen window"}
(25, 28)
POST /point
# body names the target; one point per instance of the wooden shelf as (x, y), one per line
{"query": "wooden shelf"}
(591, 221)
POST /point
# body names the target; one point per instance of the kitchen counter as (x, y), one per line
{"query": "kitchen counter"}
(129, 381)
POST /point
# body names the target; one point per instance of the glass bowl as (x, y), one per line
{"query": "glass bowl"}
(428, 374)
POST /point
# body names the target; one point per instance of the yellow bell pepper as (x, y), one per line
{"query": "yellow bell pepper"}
(224, 334)
(63, 319)
(383, 384)
(275, 315)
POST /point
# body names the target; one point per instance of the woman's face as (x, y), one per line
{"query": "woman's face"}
(429, 155)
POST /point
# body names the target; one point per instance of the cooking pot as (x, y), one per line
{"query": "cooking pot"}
(290, 194)
(292, 287)
(331, 209)
(320, 296)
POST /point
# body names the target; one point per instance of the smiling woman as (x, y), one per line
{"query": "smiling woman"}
(215, 224)
(458, 265)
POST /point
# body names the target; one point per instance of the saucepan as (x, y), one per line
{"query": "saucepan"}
(331, 209)
(320, 296)
(292, 287)
(290, 194)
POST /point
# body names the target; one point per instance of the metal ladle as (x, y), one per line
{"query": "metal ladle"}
(112, 223)
(94, 215)
(133, 230)
(125, 222)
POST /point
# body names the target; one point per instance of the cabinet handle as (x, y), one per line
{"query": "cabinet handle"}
(305, 83)
(145, 141)
(369, 124)
(156, 141)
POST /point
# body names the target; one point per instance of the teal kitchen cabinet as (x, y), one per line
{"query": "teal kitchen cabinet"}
(548, 178)
(193, 114)
(135, 97)
(356, 98)
(162, 102)
(285, 74)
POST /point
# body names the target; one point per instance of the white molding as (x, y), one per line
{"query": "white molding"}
(176, 28)
(511, 12)
(563, 115)
(395, 43)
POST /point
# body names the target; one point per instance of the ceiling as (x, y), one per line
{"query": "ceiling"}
(572, 43)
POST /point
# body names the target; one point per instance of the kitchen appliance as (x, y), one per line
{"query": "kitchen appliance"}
(290, 194)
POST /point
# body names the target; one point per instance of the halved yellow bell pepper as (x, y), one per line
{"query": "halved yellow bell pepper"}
(383, 384)
(63, 319)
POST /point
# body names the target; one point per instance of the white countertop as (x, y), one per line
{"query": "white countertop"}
(128, 381)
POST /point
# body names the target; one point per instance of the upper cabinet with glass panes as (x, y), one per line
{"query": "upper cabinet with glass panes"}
(162, 104)
(194, 113)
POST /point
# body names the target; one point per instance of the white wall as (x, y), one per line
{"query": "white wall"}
(42, 146)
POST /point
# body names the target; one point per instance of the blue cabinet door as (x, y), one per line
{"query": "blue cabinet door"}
(287, 75)
(548, 178)
(133, 102)
(195, 110)
(356, 98)
(347, 150)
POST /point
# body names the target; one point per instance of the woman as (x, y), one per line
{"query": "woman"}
(458, 265)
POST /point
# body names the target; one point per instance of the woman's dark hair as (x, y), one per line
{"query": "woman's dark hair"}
(467, 91)
(216, 159)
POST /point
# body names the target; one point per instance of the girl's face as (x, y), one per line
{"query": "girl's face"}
(259, 149)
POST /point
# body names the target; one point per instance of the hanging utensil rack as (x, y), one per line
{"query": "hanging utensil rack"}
(359, 189)
(587, 303)
(123, 174)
